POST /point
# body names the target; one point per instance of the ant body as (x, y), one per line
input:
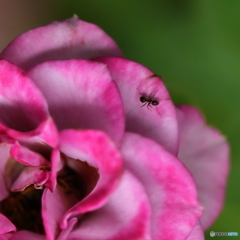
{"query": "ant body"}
(149, 101)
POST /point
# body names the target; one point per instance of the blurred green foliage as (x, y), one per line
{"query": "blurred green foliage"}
(195, 47)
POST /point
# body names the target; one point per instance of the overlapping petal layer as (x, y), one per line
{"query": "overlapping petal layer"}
(24, 113)
(170, 188)
(81, 94)
(205, 153)
(68, 39)
(55, 204)
(126, 215)
(156, 122)
(97, 150)
(23, 107)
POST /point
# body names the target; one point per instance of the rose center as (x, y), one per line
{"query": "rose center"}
(70, 183)
(78, 182)
(23, 209)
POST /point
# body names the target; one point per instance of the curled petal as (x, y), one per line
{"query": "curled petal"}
(27, 157)
(24, 112)
(40, 139)
(30, 175)
(54, 205)
(23, 107)
(56, 165)
(6, 225)
(126, 215)
(78, 91)
(97, 150)
(9, 168)
(65, 232)
(68, 39)
(170, 187)
(134, 81)
(205, 152)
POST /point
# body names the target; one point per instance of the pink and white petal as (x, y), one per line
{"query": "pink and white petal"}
(6, 225)
(4, 157)
(126, 215)
(23, 106)
(97, 150)
(205, 153)
(68, 39)
(65, 232)
(54, 205)
(197, 233)
(9, 168)
(27, 235)
(31, 175)
(56, 165)
(24, 114)
(170, 187)
(81, 94)
(156, 122)
(40, 139)
(6, 236)
(27, 157)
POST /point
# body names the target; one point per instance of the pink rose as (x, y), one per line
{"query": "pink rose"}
(90, 149)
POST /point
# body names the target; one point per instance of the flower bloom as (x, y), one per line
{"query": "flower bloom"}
(92, 147)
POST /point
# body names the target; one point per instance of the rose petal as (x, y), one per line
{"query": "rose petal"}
(68, 39)
(169, 185)
(26, 235)
(4, 156)
(126, 215)
(56, 165)
(78, 92)
(54, 205)
(65, 232)
(30, 175)
(9, 168)
(205, 152)
(156, 122)
(46, 133)
(6, 225)
(96, 149)
(40, 139)
(6, 236)
(197, 233)
(24, 113)
(27, 157)
(23, 107)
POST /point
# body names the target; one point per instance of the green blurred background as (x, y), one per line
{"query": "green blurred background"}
(193, 44)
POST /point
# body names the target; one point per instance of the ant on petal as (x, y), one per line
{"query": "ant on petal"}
(149, 101)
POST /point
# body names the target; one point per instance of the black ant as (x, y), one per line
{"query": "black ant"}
(149, 101)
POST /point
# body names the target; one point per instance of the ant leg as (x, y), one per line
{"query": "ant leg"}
(144, 104)
(151, 96)
(149, 106)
